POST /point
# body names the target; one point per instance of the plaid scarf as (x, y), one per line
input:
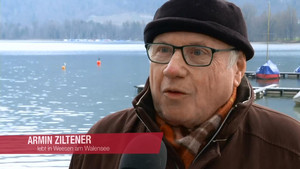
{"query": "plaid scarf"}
(193, 141)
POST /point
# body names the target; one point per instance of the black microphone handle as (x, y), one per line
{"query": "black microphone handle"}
(144, 161)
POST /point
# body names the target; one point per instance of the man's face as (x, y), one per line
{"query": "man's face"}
(184, 95)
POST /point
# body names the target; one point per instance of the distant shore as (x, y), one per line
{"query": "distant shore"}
(118, 41)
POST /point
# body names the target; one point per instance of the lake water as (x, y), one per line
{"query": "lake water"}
(38, 97)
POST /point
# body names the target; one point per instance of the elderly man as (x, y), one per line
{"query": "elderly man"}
(198, 96)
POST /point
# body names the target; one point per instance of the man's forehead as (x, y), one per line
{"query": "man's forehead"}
(188, 38)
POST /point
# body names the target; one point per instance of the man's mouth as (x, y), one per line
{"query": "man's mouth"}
(173, 93)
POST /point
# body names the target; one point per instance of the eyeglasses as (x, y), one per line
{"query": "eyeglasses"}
(193, 55)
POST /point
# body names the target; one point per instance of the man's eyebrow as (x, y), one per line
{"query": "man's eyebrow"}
(161, 41)
(201, 43)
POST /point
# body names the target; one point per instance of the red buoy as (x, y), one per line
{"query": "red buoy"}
(98, 62)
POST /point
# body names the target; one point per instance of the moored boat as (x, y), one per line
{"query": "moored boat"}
(296, 98)
(297, 70)
(268, 71)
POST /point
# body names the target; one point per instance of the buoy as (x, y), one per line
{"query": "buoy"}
(64, 66)
(98, 62)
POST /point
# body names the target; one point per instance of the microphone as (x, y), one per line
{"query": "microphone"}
(144, 161)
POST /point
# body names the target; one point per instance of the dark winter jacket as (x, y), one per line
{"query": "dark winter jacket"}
(251, 137)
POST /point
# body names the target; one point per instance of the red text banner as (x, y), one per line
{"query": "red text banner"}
(108, 143)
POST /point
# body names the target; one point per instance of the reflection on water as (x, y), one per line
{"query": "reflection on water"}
(38, 97)
(297, 110)
(284, 104)
(264, 82)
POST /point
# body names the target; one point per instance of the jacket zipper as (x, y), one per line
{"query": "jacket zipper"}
(221, 126)
(214, 136)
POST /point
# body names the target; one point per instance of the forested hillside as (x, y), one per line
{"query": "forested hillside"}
(125, 19)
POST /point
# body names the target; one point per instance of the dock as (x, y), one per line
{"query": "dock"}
(139, 88)
(251, 74)
(270, 90)
(263, 89)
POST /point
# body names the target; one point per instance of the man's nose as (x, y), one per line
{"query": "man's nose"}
(177, 66)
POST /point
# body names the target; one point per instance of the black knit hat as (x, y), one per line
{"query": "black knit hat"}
(216, 18)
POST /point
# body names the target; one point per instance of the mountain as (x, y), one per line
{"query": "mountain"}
(31, 11)
(117, 11)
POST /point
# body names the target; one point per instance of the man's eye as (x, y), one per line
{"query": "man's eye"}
(164, 50)
(197, 52)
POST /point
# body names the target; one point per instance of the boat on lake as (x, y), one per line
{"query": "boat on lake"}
(269, 70)
(296, 98)
(297, 70)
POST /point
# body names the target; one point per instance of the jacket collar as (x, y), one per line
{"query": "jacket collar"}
(144, 107)
(245, 98)
(144, 99)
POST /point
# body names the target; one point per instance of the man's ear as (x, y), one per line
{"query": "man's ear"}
(240, 68)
